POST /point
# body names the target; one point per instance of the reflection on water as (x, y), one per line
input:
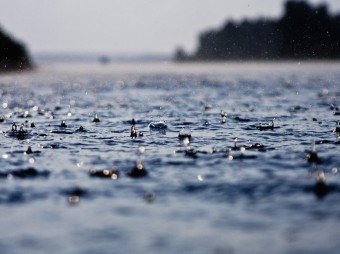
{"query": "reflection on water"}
(216, 158)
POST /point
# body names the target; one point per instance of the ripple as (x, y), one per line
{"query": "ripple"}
(209, 186)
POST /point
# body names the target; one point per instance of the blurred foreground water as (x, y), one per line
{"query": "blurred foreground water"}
(242, 177)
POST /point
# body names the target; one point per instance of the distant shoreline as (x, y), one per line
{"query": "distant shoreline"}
(303, 32)
(13, 54)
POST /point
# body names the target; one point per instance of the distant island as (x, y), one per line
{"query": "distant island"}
(303, 32)
(13, 55)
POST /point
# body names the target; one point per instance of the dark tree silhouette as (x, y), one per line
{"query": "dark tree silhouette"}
(303, 32)
(13, 55)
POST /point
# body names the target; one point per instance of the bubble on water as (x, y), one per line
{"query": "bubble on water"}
(5, 156)
(4, 104)
(31, 160)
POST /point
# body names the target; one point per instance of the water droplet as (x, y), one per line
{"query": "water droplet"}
(334, 171)
(73, 200)
(141, 149)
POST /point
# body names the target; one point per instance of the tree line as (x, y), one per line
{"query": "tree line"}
(303, 32)
(13, 54)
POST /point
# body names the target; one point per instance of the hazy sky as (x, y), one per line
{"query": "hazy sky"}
(125, 26)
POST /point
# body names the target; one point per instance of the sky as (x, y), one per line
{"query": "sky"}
(126, 27)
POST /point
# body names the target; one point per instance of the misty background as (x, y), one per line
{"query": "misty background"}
(125, 28)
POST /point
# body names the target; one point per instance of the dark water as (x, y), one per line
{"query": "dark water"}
(206, 197)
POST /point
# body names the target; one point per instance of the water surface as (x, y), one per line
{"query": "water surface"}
(202, 197)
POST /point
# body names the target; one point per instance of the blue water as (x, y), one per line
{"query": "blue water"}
(201, 195)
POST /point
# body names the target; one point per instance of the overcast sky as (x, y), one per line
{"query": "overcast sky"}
(125, 26)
